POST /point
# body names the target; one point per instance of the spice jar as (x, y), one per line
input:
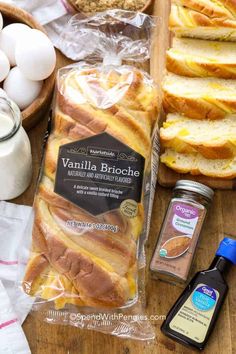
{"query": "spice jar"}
(15, 152)
(180, 231)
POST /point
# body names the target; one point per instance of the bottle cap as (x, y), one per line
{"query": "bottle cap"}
(227, 249)
(196, 187)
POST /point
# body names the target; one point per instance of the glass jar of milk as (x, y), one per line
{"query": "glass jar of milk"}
(15, 152)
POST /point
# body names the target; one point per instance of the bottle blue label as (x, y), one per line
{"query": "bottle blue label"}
(204, 298)
(195, 315)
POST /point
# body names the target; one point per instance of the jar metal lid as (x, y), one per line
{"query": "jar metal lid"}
(195, 187)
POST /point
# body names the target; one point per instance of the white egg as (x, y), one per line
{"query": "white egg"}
(4, 66)
(35, 55)
(1, 21)
(9, 36)
(21, 90)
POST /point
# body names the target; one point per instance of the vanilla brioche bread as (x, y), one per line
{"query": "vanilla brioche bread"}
(186, 22)
(91, 253)
(200, 98)
(214, 139)
(196, 164)
(200, 58)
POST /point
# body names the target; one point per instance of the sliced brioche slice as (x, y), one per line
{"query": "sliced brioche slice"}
(196, 164)
(185, 22)
(214, 139)
(200, 98)
(200, 58)
(211, 8)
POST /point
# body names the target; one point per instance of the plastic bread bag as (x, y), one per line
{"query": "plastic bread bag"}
(95, 193)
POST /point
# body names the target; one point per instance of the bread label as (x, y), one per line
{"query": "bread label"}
(100, 174)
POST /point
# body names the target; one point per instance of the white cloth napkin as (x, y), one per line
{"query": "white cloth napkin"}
(12, 337)
(15, 232)
(13, 222)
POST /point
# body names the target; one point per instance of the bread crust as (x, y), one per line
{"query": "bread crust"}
(196, 170)
(35, 267)
(41, 280)
(230, 4)
(96, 286)
(181, 17)
(180, 66)
(105, 120)
(198, 108)
(210, 149)
(45, 192)
(210, 9)
(64, 125)
(185, 22)
(117, 250)
(207, 33)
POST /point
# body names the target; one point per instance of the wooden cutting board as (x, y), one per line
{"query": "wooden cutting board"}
(166, 176)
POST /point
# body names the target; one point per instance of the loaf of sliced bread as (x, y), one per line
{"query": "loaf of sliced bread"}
(186, 22)
(200, 98)
(214, 139)
(196, 164)
(200, 58)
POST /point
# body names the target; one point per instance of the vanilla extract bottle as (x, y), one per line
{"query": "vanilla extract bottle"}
(191, 320)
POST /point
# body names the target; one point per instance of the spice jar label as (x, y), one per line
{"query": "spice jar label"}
(178, 239)
(185, 218)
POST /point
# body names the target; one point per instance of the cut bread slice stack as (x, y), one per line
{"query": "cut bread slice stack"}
(196, 164)
(199, 90)
(214, 139)
(200, 98)
(185, 21)
(201, 58)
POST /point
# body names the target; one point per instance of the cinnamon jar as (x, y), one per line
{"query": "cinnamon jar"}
(180, 231)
